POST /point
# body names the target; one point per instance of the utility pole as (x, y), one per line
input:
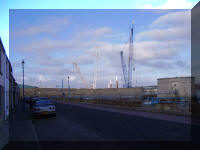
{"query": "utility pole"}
(23, 85)
(63, 94)
(68, 82)
(68, 87)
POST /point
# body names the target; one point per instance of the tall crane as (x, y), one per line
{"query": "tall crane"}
(124, 69)
(96, 71)
(130, 58)
(128, 76)
(80, 75)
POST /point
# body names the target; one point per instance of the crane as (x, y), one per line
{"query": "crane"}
(130, 58)
(80, 75)
(124, 69)
(96, 71)
(128, 76)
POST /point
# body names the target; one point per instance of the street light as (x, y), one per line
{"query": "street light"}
(68, 82)
(23, 84)
(68, 88)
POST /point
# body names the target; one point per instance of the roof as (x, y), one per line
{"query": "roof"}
(2, 47)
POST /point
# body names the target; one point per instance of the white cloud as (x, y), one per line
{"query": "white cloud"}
(173, 19)
(168, 34)
(95, 32)
(41, 78)
(72, 78)
(154, 48)
(171, 4)
(46, 26)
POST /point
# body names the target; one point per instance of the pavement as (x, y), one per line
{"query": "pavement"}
(4, 133)
(21, 131)
(80, 126)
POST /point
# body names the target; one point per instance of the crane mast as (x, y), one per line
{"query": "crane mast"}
(128, 75)
(124, 69)
(130, 58)
(96, 71)
(80, 75)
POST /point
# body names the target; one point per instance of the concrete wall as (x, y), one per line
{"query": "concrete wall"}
(176, 87)
(84, 92)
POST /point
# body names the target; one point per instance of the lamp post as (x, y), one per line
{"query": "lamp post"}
(63, 94)
(68, 88)
(23, 85)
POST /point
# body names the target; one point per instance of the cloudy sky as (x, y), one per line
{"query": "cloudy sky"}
(51, 40)
(5, 5)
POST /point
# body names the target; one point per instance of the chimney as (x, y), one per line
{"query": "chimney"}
(117, 83)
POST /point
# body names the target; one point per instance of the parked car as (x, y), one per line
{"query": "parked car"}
(43, 107)
(42, 98)
(27, 99)
(32, 101)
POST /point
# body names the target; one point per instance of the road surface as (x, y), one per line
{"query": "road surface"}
(75, 123)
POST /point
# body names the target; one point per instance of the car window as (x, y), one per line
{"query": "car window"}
(43, 102)
(43, 98)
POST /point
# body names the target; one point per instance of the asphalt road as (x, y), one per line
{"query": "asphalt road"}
(75, 123)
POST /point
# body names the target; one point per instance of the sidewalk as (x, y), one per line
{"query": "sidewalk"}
(21, 125)
(4, 133)
(21, 132)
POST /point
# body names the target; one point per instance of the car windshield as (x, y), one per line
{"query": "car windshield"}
(43, 102)
(43, 98)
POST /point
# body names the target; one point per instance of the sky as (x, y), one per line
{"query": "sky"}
(51, 40)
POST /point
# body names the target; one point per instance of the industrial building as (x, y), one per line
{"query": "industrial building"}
(176, 87)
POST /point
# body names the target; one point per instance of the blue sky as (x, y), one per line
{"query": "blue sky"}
(5, 5)
(51, 40)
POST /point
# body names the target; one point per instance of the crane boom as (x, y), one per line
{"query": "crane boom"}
(130, 58)
(80, 75)
(124, 69)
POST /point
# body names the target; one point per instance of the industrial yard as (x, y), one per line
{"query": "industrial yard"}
(172, 95)
(169, 93)
(102, 76)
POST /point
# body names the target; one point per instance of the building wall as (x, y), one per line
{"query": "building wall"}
(6, 74)
(6, 85)
(150, 91)
(176, 87)
(2, 83)
(84, 92)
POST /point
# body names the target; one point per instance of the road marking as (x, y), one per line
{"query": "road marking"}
(35, 136)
